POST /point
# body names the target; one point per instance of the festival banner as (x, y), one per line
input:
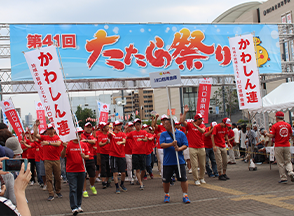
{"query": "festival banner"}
(12, 116)
(45, 69)
(246, 71)
(5, 120)
(104, 109)
(40, 110)
(204, 91)
(134, 50)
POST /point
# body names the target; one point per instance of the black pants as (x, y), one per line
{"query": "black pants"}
(33, 165)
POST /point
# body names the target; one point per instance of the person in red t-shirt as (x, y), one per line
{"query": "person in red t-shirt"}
(51, 154)
(196, 145)
(219, 134)
(149, 149)
(186, 154)
(158, 129)
(104, 144)
(128, 150)
(231, 137)
(75, 154)
(87, 138)
(282, 132)
(209, 151)
(139, 138)
(117, 153)
(97, 157)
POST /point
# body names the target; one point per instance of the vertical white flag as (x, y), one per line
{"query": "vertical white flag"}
(47, 75)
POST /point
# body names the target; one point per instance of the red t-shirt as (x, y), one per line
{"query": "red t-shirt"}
(139, 147)
(74, 160)
(86, 136)
(37, 152)
(31, 151)
(158, 131)
(24, 154)
(51, 152)
(97, 151)
(194, 136)
(183, 129)
(115, 149)
(282, 131)
(150, 143)
(219, 133)
(207, 140)
(230, 135)
(103, 138)
(128, 146)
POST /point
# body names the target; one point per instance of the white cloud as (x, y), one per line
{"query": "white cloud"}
(142, 30)
(174, 28)
(274, 34)
(115, 30)
(167, 29)
(106, 26)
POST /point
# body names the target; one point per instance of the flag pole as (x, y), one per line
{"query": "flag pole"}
(171, 121)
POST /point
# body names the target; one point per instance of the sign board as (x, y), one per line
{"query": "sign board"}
(134, 50)
(165, 78)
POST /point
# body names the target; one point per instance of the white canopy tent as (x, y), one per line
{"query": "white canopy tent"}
(280, 99)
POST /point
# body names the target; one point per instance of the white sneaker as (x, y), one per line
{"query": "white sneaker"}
(190, 171)
(32, 183)
(45, 187)
(197, 183)
(75, 211)
(80, 209)
(202, 181)
(98, 180)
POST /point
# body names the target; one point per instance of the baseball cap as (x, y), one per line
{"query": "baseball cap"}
(150, 128)
(103, 124)
(130, 124)
(144, 126)
(177, 123)
(227, 121)
(49, 126)
(137, 120)
(117, 122)
(13, 144)
(164, 117)
(42, 132)
(212, 124)
(88, 124)
(79, 129)
(280, 114)
(198, 116)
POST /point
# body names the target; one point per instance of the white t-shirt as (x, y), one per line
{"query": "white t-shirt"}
(243, 139)
(236, 135)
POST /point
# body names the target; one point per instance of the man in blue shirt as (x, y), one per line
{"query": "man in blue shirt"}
(170, 146)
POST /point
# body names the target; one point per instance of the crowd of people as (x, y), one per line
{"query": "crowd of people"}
(110, 153)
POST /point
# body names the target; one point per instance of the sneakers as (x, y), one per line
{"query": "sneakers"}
(80, 209)
(211, 176)
(190, 171)
(186, 199)
(222, 177)
(98, 180)
(50, 198)
(283, 182)
(225, 175)
(166, 198)
(75, 211)
(104, 185)
(117, 191)
(145, 178)
(44, 187)
(202, 181)
(141, 187)
(93, 189)
(132, 182)
(216, 175)
(85, 194)
(59, 195)
(32, 183)
(123, 188)
(197, 183)
(151, 175)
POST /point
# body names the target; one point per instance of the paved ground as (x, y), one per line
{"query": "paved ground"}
(247, 193)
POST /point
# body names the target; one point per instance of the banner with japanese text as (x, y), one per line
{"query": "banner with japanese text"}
(12, 116)
(5, 120)
(45, 69)
(203, 101)
(246, 71)
(103, 111)
(134, 50)
(40, 110)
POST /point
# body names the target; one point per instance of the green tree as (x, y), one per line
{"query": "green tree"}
(230, 99)
(83, 114)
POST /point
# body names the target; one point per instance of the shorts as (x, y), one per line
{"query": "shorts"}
(42, 168)
(90, 168)
(139, 161)
(168, 172)
(118, 164)
(186, 154)
(95, 160)
(105, 169)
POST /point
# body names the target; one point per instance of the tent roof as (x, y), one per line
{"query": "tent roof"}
(280, 98)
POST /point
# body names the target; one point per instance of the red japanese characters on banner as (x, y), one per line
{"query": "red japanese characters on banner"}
(41, 115)
(35, 40)
(104, 109)
(12, 116)
(204, 98)
(48, 78)
(246, 72)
